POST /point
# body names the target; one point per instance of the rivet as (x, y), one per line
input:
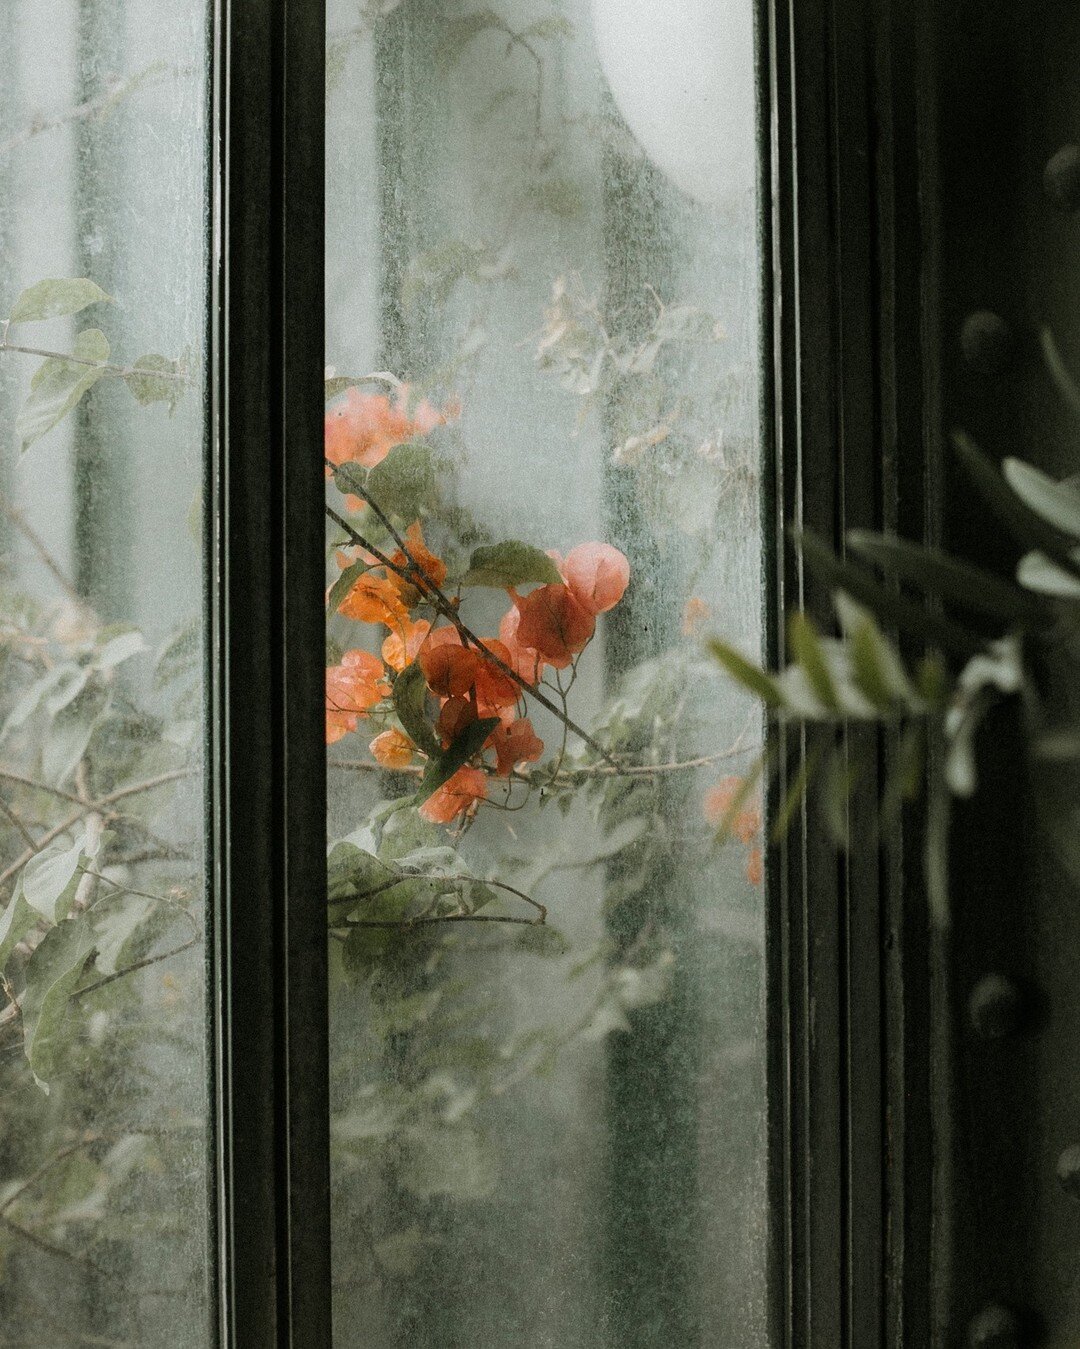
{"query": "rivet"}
(1068, 1170)
(1061, 178)
(994, 1328)
(986, 342)
(995, 1007)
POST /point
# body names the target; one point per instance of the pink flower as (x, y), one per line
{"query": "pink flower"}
(597, 574)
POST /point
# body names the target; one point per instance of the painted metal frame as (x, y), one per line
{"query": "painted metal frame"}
(267, 824)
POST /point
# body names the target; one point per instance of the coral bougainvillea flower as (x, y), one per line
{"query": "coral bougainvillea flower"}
(449, 668)
(374, 599)
(718, 801)
(362, 428)
(393, 749)
(525, 660)
(553, 622)
(403, 645)
(495, 690)
(695, 612)
(515, 744)
(755, 866)
(597, 575)
(454, 798)
(352, 688)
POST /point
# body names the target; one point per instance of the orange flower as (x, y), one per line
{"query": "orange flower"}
(597, 574)
(454, 716)
(393, 749)
(454, 798)
(434, 568)
(515, 744)
(401, 647)
(755, 866)
(352, 688)
(552, 621)
(362, 428)
(374, 599)
(449, 668)
(718, 800)
(527, 661)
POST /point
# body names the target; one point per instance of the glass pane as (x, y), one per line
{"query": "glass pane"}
(542, 435)
(103, 1203)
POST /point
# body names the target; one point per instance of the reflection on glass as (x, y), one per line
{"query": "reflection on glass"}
(542, 452)
(102, 1074)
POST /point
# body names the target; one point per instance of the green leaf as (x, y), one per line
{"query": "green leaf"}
(750, 676)
(1026, 525)
(59, 384)
(119, 649)
(179, 655)
(456, 34)
(876, 667)
(50, 879)
(52, 975)
(50, 298)
(510, 564)
(1056, 502)
(806, 648)
(15, 922)
(410, 701)
(161, 382)
(441, 769)
(344, 584)
(864, 587)
(1066, 384)
(404, 483)
(960, 583)
(554, 26)
(1038, 573)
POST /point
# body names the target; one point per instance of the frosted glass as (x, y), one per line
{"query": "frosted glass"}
(542, 327)
(103, 1108)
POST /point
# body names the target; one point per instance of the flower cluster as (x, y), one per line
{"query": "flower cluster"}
(478, 684)
(362, 428)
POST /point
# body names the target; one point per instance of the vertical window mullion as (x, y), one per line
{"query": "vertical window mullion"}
(267, 762)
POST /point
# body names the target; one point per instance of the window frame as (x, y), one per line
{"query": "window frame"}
(845, 108)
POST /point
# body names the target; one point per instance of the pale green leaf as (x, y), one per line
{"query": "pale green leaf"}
(15, 922)
(1058, 503)
(750, 676)
(56, 296)
(52, 975)
(156, 379)
(1037, 572)
(50, 879)
(59, 384)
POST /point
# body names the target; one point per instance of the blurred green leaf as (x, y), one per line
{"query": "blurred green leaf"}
(49, 879)
(52, 975)
(750, 676)
(1037, 572)
(15, 922)
(155, 379)
(806, 648)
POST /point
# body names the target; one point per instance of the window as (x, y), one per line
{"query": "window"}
(543, 425)
(104, 1122)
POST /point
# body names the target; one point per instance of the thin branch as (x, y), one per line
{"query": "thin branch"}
(107, 367)
(34, 539)
(447, 918)
(92, 108)
(136, 965)
(14, 820)
(10, 775)
(46, 1167)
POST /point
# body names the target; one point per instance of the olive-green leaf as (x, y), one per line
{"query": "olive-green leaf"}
(55, 296)
(52, 975)
(744, 672)
(1038, 573)
(440, 770)
(510, 563)
(410, 698)
(155, 379)
(59, 383)
(344, 584)
(404, 483)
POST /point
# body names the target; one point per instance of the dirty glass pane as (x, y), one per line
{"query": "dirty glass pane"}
(543, 459)
(102, 309)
